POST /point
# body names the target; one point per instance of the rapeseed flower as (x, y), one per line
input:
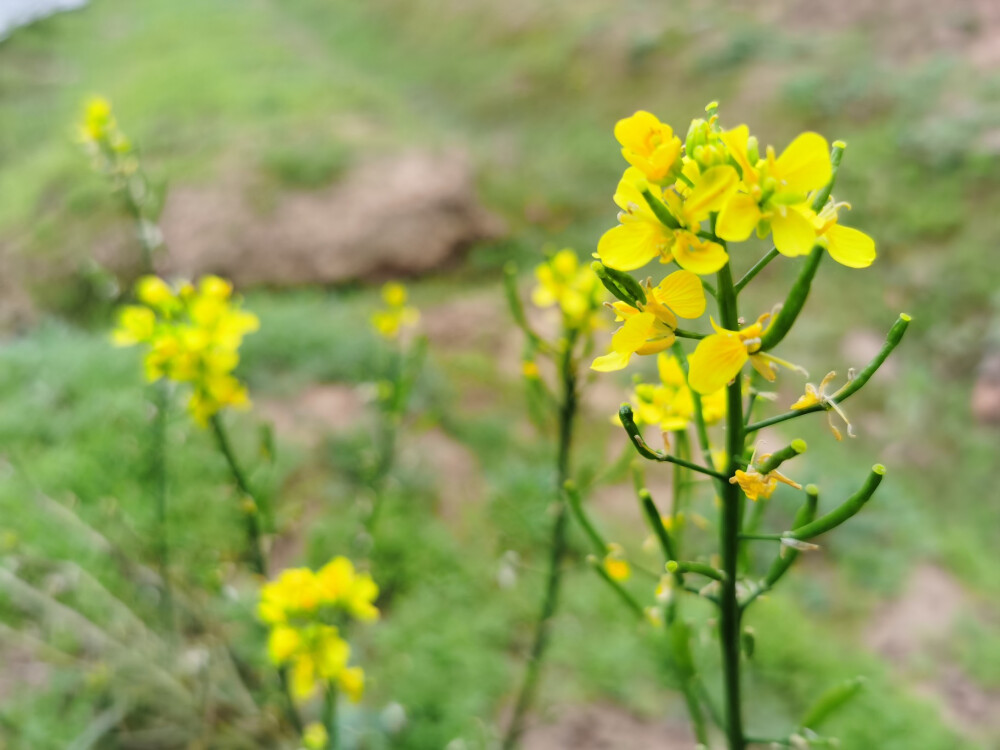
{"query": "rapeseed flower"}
(719, 358)
(574, 288)
(192, 335)
(649, 329)
(669, 404)
(649, 145)
(396, 315)
(774, 191)
(817, 396)
(303, 610)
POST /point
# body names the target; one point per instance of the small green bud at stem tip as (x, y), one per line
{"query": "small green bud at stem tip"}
(779, 457)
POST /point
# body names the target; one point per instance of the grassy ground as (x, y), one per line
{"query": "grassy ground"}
(292, 93)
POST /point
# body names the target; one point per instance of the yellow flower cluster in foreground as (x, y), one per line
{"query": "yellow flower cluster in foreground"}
(303, 608)
(192, 334)
(669, 191)
(683, 203)
(669, 404)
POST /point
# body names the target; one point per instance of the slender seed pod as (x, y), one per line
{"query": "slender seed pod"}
(624, 595)
(831, 701)
(628, 422)
(576, 505)
(678, 566)
(844, 511)
(779, 457)
(656, 524)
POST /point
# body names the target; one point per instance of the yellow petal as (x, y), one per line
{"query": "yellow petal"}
(805, 164)
(611, 362)
(632, 245)
(793, 233)
(683, 293)
(850, 247)
(736, 141)
(670, 371)
(711, 191)
(738, 218)
(700, 256)
(715, 361)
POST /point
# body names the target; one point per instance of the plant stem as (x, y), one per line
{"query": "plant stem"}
(330, 717)
(257, 558)
(729, 529)
(557, 548)
(756, 269)
(161, 402)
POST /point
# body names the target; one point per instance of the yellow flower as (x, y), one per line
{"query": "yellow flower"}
(756, 485)
(774, 191)
(648, 145)
(848, 246)
(818, 396)
(574, 288)
(351, 682)
(615, 563)
(339, 585)
(397, 315)
(641, 236)
(315, 736)
(322, 657)
(651, 329)
(670, 404)
(720, 357)
(192, 335)
(283, 643)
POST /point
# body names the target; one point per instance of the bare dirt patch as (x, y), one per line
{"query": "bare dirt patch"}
(608, 727)
(398, 216)
(919, 623)
(314, 412)
(456, 471)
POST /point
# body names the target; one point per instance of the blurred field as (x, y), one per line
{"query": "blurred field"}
(271, 99)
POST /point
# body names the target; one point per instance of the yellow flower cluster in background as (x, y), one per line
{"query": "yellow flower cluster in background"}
(669, 404)
(396, 315)
(303, 608)
(574, 288)
(192, 334)
(110, 149)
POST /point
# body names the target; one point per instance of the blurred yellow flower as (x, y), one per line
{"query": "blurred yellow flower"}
(315, 736)
(670, 403)
(397, 314)
(574, 288)
(615, 563)
(192, 335)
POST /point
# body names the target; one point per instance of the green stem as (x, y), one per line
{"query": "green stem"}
(330, 717)
(729, 529)
(257, 557)
(628, 421)
(842, 512)
(756, 269)
(557, 547)
(681, 566)
(161, 400)
(630, 601)
(576, 505)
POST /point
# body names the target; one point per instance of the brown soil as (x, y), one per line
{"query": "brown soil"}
(608, 727)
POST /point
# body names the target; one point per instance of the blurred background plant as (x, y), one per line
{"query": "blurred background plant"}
(314, 147)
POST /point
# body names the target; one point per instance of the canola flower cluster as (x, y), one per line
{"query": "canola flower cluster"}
(192, 334)
(396, 316)
(305, 611)
(107, 145)
(683, 202)
(574, 288)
